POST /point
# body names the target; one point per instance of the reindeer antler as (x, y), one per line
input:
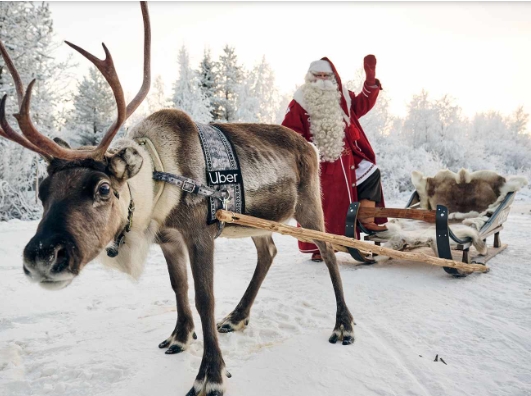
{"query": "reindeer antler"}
(6, 131)
(41, 144)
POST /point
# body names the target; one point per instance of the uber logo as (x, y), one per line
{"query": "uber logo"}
(223, 177)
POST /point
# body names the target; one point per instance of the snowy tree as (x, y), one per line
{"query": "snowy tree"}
(247, 104)
(420, 121)
(263, 85)
(94, 110)
(187, 94)
(208, 84)
(257, 97)
(230, 76)
(378, 121)
(503, 144)
(157, 100)
(282, 107)
(26, 30)
(518, 122)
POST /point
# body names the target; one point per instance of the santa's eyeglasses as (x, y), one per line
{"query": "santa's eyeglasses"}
(321, 75)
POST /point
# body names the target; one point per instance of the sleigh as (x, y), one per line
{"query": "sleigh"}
(444, 234)
(459, 251)
(486, 197)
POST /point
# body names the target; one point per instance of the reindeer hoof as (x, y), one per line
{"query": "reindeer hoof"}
(343, 333)
(174, 349)
(228, 325)
(175, 345)
(347, 340)
(192, 392)
(226, 328)
(164, 344)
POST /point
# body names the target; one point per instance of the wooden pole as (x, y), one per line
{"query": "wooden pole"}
(341, 242)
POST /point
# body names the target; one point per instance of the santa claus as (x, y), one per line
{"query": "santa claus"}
(326, 113)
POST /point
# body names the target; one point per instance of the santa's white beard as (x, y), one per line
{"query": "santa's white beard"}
(322, 100)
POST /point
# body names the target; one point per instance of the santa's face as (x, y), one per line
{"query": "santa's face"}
(321, 81)
(322, 75)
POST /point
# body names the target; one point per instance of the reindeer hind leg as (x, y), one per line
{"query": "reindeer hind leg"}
(309, 214)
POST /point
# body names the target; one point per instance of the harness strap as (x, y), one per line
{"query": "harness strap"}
(191, 186)
(112, 251)
(194, 187)
(155, 161)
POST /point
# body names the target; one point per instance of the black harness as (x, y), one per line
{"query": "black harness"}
(224, 187)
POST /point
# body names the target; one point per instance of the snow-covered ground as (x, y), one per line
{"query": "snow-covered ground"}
(99, 336)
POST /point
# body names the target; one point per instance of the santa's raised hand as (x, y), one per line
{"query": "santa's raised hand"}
(369, 64)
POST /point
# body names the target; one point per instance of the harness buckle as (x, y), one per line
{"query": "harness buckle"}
(225, 198)
(188, 187)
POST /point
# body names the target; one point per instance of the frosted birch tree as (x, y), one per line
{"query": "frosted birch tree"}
(26, 29)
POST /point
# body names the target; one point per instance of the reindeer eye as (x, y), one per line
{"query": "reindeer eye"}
(104, 189)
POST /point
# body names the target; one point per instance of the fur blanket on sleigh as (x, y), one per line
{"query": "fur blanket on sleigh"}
(471, 199)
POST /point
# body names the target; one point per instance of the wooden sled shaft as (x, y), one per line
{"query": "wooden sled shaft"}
(306, 235)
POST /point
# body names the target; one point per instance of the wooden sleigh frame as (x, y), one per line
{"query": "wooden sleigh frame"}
(364, 251)
(443, 232)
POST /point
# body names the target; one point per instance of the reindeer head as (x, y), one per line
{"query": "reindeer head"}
(84, 196)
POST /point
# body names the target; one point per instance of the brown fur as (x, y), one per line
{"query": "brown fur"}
(462, 192)
(281, 179)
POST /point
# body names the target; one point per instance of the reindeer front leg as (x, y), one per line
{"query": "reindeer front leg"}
(174, 250)
(210, 377)
(239, 318)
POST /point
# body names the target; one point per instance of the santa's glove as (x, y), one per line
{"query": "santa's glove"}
(369, 64)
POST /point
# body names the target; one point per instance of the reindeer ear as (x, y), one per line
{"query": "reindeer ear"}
(61, 142)
(125, 163)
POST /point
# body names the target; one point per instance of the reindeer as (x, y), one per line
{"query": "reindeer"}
(92, 194)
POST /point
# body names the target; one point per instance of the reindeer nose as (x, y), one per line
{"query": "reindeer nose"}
(45, 258)
(61, 259)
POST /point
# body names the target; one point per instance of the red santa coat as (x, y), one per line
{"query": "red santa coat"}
(338, 178)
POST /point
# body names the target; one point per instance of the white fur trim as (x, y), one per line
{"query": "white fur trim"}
(320, 66)
(364, 170)
(415, 233)
(349, 104)
(346, 180)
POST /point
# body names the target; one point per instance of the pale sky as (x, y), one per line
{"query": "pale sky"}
(479, 53)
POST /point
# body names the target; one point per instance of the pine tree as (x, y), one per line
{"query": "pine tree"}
(230, 76)
(94, 110)
(208, 84)
(187, 94)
